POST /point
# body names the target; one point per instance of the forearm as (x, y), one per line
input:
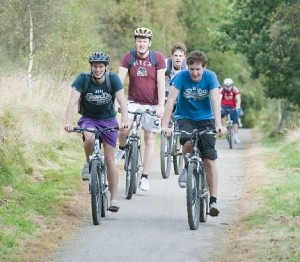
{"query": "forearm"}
(238, 102)
(70, 111)
(73, 102)
(216, 106)
(123, 106)
(167, 115)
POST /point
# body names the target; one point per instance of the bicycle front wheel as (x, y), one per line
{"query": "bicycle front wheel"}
(192, 196)
(204, 192)
(104, 188)
(96, 191)
(132, 170)
(165, 155)
(229, 136)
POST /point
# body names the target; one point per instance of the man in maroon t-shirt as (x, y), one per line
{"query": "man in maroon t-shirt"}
(146, 90)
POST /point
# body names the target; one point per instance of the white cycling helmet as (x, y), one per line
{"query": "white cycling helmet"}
(228, 82)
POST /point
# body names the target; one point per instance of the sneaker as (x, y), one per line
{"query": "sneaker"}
(182, 178)
(236, 139)
(119, 155)
(213, 209)
(240, 123)
(85, 172)
(114, 206)
(144, 184)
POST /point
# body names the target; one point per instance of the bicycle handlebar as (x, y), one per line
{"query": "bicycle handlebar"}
(107, 129)
(139, 112)
(148, 111)
(197, 132)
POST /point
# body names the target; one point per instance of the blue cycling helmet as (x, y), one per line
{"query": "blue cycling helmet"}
(99, 57)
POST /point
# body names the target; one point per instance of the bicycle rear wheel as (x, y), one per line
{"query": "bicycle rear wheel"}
(132, 170)
(192, 196)
(165, 155)
(178, 157)
(204, 192)
(96, 191)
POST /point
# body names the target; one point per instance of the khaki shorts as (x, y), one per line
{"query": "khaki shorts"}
(148, 122)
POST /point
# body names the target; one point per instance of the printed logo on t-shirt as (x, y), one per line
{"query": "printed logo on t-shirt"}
(142, 71)
(195, 94)
(101, 99)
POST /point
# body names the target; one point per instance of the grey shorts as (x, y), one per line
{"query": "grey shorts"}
(207, 143)
(148, 122)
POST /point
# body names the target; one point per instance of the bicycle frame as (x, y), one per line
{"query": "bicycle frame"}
(97, 180)
(197, 191)
(195, 158)
(133, 154)
(229, 126)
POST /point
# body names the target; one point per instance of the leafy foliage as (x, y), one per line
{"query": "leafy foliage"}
(266, 32)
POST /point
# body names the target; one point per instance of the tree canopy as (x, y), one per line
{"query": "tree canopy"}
(267, 33)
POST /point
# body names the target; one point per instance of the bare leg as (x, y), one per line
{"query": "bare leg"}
(112, 172)
(123, 135)
(235, 128)
(149, 140)
(212, 176)
(88, 145)
(187, 148)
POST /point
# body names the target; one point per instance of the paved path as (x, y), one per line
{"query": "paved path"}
(153, 226)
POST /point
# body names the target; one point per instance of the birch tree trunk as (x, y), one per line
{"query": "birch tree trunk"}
(30, 64)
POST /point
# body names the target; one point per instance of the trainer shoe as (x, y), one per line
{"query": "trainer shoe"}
(144, 184)
(119, 155)
(85, 172)
(240, 123)
(182, 178)
(213, 209)
(236, 139)
(114, 206)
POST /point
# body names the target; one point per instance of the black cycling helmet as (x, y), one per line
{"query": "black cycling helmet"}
(99, 57)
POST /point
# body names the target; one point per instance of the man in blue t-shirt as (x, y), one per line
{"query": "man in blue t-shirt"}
(198, 107)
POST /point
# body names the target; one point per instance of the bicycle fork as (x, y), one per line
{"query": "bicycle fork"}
(202, 191)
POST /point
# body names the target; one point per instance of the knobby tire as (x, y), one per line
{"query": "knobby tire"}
(96, 195)
(229, 136)
(178, 157)
(165, 155)
(104, 207)
(204, 193)
(132, 172)
(192, 199)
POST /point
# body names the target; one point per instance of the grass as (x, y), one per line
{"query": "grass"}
(40, 165)
(278, 218)
(39, 162)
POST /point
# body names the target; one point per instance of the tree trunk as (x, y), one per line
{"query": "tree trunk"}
(30, 64)
(284, 116)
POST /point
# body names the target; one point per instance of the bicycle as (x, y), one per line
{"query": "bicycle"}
(133, 154)
(97, 181)
(170, 149)
(229, 126)
(197, 191)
